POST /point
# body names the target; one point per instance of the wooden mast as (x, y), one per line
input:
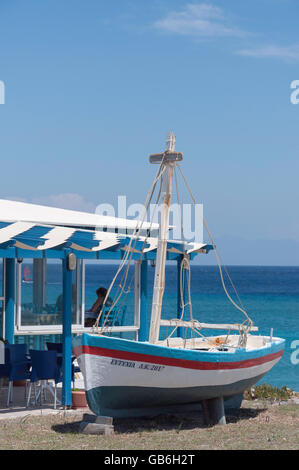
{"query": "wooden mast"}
(168, 159)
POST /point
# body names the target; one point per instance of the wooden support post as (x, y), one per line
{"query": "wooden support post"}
(213, 411)
(92, 424)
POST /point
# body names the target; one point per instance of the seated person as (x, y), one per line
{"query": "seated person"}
(92, 314)
(59, 301)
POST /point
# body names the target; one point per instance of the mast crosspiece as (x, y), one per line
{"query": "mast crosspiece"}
(169, 155)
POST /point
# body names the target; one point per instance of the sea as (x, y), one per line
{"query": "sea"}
(270, 296)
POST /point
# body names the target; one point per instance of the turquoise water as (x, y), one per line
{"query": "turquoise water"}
(270, 296)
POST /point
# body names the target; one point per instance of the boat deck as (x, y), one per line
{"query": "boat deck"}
(212, 343)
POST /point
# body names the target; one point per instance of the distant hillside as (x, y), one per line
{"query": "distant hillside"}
(254, 252)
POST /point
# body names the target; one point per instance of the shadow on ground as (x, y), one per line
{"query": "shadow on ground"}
(163, 422)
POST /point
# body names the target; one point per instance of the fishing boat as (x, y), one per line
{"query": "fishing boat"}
(131, 378)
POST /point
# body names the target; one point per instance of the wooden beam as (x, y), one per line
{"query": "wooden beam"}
(211, 326)
(57, 330)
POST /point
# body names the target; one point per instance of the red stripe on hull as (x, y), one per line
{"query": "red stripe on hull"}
(174, 362)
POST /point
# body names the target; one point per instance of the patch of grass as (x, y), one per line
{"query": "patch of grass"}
(270, 427)
(268, 392)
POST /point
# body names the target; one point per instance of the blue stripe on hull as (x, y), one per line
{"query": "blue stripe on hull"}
(121, 401)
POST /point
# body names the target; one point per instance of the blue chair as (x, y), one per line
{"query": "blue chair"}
(44, 368)
(58, 348)
(113, 318)
(54, 347)
(18, 365)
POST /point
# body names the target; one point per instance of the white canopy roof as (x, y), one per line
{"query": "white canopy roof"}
(33, 227)
(15, 211)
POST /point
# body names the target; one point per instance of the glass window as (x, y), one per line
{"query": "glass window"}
(99, 275)
(40, 287)
(54, 297)
(29, 307)
(54, 284)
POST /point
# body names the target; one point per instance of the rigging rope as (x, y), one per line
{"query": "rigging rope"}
(136, 231)
(218, 259)
(131, 255)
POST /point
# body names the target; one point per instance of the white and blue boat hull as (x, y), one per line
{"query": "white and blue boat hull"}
(130, 378)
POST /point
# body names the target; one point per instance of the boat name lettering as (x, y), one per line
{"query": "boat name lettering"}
(118, 362)
(152, 367)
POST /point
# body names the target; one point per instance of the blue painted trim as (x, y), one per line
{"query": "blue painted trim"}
(67, 336)
(109, 254)
(121, 344)
(33, 238)
(136, 245)
(10, 297)
(10, 243)
(4, 224)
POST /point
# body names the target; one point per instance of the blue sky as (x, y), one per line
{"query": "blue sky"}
(92, 88)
